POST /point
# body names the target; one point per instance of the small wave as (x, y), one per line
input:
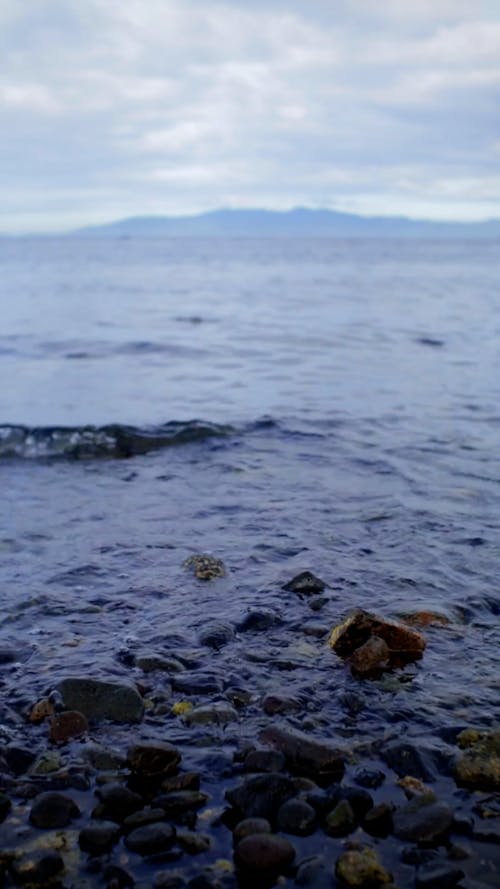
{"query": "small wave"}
(91, 442)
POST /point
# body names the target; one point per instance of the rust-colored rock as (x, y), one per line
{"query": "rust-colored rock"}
(67, 725)
(360, 625)
(41, 710)
(373, 655)
(425, 619)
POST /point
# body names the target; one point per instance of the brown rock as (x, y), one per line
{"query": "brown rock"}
(67, 725)
(425, 619)
(41, 710)
(373, 655)
(360, 625)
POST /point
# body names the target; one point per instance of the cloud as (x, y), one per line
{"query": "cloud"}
(182, 105)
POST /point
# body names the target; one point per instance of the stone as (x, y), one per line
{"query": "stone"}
(264, 761)
(205, 567)
(66, 725)
(406, 758)
(18, 759)
(438, 875)
(37, 868)
(368, 777)
(373, 655)
(194, 683)
(153, 761)
(177, 803)
(148, 662)
(102, 758)
(217, 713)
(260, 796)
(117, 877)
(151, 839)
(305, 755)
(341, 821)
(378, 820)
(425, 619)
(257, 621)
(185, 781)
(412, 787)
(264, 852)
(360, 625)
(478, 766)
(41, 710)
(422, 820)
(297, 817)
(98, 699)
(47, 762)
(216, 634)
(361, 868)
(53, 810)
(276, 703)
(249, 826)
(193, 843)
(305, 584)
(143, 817)
(118, 801)
(98, 839)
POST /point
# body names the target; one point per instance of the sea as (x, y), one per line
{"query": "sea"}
(280, 404)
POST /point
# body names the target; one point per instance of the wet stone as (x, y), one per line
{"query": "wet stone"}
(143, 817)
(370, 778)
(37, 868)
(305, 584)
(378, 820)
(273, 704)
(18, 759)
(261, 852)
(260, 796)
(306, 755)
(373, 655)
(360, 626)
(178, 803)
(478, 766)
(67, 725)
(297, 817)
(217, 634)
(218, 713)
(5, 806)
(438, 875)
(205, 567)
(53, 810)
(258, 621)
(341, 821)
(98, 839)
(197, 683)
(118, 801)
(118, 877)
(185, 781)
(405, 759)
(149, 662)
(102, 758)
(361, 868)
(422, 820)
(193, 843)
(97, 699)
(151, 839)
(153, 761)
(249, 826)
(264, 761)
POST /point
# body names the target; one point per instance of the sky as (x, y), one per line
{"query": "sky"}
(115, 108)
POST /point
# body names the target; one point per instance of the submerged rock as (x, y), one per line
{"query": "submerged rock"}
(216, 634)
(205, 567)
(372, 642)
(372, 655)
(305, 584)
(305, 755)
(361, 868)
(264, 852)
(422, 820)
(98, 699)
(478, 767)
(260, 796)
(53, 810)
(218, 713)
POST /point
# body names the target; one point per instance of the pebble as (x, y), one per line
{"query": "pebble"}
(98, 699)
(217, 713)
(361, 868)
(143, 817)
(249, 826)
(177, 803)
(97, 839)
(422, 821)
(297, 817)
(149, 662)
(53, 810)
(264, 852)
(151, 839)
(153, 761)
(66, 725)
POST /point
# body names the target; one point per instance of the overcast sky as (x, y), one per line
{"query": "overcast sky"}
(111, 108)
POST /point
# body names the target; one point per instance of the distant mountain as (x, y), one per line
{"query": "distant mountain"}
(301, 222)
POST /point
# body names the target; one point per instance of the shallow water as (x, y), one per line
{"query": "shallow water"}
(346, 399)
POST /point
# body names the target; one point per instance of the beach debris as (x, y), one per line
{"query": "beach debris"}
(205, 567)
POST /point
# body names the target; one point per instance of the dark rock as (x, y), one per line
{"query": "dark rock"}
(216, 713)
(97, 839)
(304, 755)
(18, 759)
(352, 702)
(153, 761)
(405, 758)
(118, 801)
(378, 820)
(256, 621)
(151, 839)
(316, 603)
(143, 817)
(177, 803)
(297, 817)
(8, 655)
(96, 699)
(360, 625)
(360, 800)
(66, 725)
(37, 868)
(417, 856)
(275, 703)
(264, 852)
(216, 635)
(5, 806)
(260, 796)
(438, 875)
(361, 868)
(305, 584)
(205, 567)
(196, 683)
(264, 761)
(52, 810)
(373, 655)
(185, 781)
(117, 877)
(341, 821)
(249, 826)
(148, 662)
(193, 843)
(367, 777)
(478, 766)
(422, 820)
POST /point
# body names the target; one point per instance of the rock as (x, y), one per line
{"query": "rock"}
(205, 567)
(37, 868)
(67, 725)
(197, 684)
(143, 817)
(47, 762)
(249, 826)
(41, 710)
(53, 810)
(264, 761)
(378, 820)
(98, 839)
(406, 758)
(305, 584)
(151, 839)
(264, 852)
(186, 781)
(5, 806)
(297, 817)
(117, 877)
(478, 767)
(257, 621)
(216, 635)
(422, 820)
(368, 777)
(118, 801)
(360, 625)
(438, 875)
(193, 843)
(341, 821)
(218, 713)
(276, 703)
(98, 699)
(373, 655)
(102, 758)
(179, 802)
(304, 755)
(412, 787)
(425, 619)
(361, 868)
(18, 759)
(153, 761)
(148, 662)
(312, 873)
(260, 796)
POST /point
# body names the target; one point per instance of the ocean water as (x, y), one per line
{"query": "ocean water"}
(283, 405)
